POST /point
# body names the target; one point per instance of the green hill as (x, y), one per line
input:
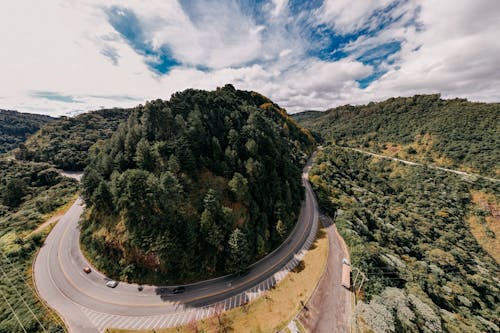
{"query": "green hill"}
(408, 229)
(15, 127)
(451, 133)
(65, 143)
(194, 187)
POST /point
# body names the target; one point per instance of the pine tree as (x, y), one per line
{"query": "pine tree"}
(237, 259)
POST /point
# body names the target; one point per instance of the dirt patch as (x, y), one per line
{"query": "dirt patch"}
(484, 221)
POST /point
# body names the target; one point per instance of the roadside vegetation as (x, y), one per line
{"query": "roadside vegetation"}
(65, 143)
(195, 187)
(271, 312)
(407, 229)
(15, 127)
(451, 133)
(29, 194)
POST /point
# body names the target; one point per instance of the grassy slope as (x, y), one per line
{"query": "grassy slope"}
(18, 245)
(451, 133)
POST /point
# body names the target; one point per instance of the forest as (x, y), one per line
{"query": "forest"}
(15, 127)
(65, 143)
(29, 194)
(452, 133)
(194, 187)
(407, 229)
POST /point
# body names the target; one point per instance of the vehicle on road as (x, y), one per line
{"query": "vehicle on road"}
(87, 269)
(178, 290)
(111, 283)
(345, 261)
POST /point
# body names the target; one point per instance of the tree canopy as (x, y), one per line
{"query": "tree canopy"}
(15, 127)
(65, 142)
(194, 187)
(452, 133)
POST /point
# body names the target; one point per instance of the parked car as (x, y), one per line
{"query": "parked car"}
(345, 261)
(178, 290)
(111, 283)
(87, 269)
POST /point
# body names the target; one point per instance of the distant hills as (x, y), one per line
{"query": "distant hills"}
(65, 142)
(425, 128)
(15, 127)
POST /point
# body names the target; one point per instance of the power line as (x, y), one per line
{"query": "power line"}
(14, 268)
(13, 312)
(23, 300)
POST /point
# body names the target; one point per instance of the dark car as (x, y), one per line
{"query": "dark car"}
(178, 290)
(87, 269)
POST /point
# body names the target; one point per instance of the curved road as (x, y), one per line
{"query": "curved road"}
(87, 305)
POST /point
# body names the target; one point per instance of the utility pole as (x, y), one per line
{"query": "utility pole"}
(363, 279)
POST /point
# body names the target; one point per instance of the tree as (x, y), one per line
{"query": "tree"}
(102, 197)
(144, 156)
(237, 259)
(239, 186)
(14, 191)
(281, 229)
(214, 234)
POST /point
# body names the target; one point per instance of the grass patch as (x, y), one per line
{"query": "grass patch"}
(274, 310)
(44, 194)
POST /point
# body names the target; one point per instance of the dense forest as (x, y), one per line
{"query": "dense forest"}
(65, 142)
(15, 127)
(451, 133)
(194, 187)
(407, 229)
(29, 194)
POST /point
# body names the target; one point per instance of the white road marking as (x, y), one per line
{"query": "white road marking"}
(178, 316)
(157, 321)
(147, 322)
(104, 324)
(127, 321)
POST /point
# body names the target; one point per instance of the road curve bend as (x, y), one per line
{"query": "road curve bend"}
(87, 305)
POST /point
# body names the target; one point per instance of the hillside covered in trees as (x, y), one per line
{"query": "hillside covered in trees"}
(452, 133)
(15, 127)
(413, 231)
(65, 143)
(194, 187)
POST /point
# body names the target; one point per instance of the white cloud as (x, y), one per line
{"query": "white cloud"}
(68, 47)
(350, 15)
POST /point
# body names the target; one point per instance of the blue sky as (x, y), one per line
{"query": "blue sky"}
(67, 56)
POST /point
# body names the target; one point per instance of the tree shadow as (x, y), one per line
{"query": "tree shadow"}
(319, 235)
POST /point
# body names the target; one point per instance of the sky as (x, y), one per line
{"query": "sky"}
(62, 57)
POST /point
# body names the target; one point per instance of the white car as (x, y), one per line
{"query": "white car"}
(345, 261)
(111, 283)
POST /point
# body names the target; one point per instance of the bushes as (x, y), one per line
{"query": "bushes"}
(406, 228)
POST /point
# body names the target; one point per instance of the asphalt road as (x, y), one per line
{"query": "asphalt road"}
(87, 305)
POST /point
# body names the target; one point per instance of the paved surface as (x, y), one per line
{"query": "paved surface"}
(87, 305)
(329, 309)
